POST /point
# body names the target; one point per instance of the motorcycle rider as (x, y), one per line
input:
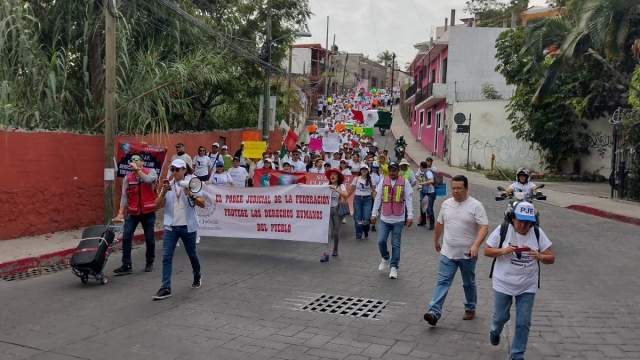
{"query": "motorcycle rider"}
(400, 143)
(522, 184)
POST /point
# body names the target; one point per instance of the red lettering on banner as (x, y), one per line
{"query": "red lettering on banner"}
(277, 199)
(262, 227)
(218, 198)
(236, 212)
(288, 199)
(312, 199)
(309, 214)
(256, 213)
(278, 213)
(281, 228)
(234, 199)
(259, 199)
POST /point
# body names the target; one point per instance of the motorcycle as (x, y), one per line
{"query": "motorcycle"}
(515, 197)
(399, 152)
(382, 131)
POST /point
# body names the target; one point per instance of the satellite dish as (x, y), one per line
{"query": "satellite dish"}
(459, 118)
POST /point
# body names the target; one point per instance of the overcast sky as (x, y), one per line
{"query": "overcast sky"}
(398, 24)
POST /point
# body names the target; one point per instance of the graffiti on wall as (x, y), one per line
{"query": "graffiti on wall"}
(507, 149)
(597, 141)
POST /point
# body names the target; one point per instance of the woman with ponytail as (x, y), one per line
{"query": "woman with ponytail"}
(365, 192)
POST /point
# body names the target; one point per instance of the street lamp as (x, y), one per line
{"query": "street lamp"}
(267, 81)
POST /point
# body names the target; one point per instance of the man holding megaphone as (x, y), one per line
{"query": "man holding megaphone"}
(138, 198)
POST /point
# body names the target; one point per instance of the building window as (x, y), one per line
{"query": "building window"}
(362, 73)
(433, 76)
(439, 122)
(428, 119)
(443, 76)
(421, 117)
(374, 82)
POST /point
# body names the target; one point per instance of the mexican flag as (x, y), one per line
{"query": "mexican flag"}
(377, 118)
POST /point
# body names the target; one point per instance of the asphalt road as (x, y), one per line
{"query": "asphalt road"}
(253, 290)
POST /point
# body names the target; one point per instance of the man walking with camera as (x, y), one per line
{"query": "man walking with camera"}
(138, 199)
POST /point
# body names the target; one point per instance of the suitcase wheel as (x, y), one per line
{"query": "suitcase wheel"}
(84, 278)
(104, 280)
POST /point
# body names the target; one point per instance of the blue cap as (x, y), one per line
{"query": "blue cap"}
(524, 211)
(219, 163)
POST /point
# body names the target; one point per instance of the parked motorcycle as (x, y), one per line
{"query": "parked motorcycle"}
(399, 152)
(515, 197)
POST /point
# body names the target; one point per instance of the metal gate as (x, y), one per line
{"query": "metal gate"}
(625, 167)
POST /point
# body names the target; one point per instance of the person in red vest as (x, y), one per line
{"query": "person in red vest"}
(393, 200)
(138, 199)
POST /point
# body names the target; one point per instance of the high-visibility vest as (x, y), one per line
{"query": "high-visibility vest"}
(142, 196)
(393, 196)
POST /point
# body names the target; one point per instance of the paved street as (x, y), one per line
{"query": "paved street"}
(250, 304)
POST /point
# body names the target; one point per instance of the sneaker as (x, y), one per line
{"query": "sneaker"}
(393, 274)
(431, 319)
(344, 220)
(495, 339)
(123, 270)
(373, 228)
(469, 314)
(148, 267)
(335, 252)
(431, 227)
(422, 224)
(163, 293)
(324, 258)
(366, 234)
(197, 282)
(383, 265)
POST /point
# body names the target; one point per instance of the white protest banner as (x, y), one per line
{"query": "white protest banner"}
(288, 212)
(331, 142)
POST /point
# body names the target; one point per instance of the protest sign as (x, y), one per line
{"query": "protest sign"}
(292, 212)
(331, 142)
(315, 144)
(152, 155)
(358, 130)
(269, 177)
(254, 149)
(251, 135)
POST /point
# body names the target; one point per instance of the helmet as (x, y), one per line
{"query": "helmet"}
(375, 164)
(523, 171)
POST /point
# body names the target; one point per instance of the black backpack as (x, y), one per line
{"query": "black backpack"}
(504, 227)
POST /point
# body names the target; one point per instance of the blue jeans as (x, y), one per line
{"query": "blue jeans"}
(130, 224)
(383, 233)
(430, 213)
(446, 272)
(169, 242)
(362, 206)
(524, 306)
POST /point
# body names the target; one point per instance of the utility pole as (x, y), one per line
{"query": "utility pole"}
(331, 64)
(393, 69)
(110, 109)
(289, 81)
(326, 61)
(344, 72)
(267, 79)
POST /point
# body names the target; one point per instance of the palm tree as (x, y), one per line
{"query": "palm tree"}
(385, 57)
(601, 26)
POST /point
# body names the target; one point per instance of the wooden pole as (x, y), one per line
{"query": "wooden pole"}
(110, 110)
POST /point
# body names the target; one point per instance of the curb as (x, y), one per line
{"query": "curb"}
(604, 214)
(32, 262)
(406, 154)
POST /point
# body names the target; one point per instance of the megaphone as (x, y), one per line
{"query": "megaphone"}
(194, 185)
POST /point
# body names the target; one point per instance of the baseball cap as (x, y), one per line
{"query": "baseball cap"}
(394, 165)
(524, 211)
(179, 144)
(286, 164)
(179, 163)
(236, 158)
(216, 144)
(225, 147)
(429, 158)
(219, 163)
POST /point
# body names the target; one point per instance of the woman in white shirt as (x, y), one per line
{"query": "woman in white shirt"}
(202, 164)
(220, 177)
(365, 192)
(343, 167)
(318, 169)
(338, 191)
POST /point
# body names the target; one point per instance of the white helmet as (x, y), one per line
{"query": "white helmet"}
(522, 171)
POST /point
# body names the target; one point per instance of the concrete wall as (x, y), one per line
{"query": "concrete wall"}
(490, 135)
(599, 143)
(55, 181)
(354, 66)
(472, 62)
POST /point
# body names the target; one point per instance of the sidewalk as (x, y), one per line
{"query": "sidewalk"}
(589, 198)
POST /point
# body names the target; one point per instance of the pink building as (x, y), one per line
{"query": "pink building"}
(428, 94)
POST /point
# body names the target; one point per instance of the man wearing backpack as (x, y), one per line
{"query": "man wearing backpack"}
(516, 246)
(425, 181)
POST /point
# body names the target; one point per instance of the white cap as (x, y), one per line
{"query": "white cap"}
(179, 163)
(224, 147)
(524, 211)
(404, 162)
(216, 144)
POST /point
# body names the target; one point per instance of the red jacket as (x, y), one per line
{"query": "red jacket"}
(142, 197)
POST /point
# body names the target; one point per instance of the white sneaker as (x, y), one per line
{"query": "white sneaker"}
(383, 265)
(393, 274)
(197, 239)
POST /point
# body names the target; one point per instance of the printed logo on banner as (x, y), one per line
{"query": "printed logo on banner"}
(152, 155)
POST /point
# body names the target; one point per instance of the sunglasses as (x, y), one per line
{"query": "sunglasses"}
(199, 150)
(135, 158)
(175, 169)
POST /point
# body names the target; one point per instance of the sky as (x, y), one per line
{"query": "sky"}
(393, 25)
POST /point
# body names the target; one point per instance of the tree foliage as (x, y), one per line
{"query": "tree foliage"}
(492, 13)
(385, 58)
(172, 75)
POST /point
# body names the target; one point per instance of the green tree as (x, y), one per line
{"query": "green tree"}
(385, 58)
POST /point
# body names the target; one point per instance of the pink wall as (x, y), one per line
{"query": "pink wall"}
(427, 134)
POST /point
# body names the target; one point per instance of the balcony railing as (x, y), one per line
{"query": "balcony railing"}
(424, 93)
(411, 90)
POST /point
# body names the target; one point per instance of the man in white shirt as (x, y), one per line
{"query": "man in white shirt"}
(214, 155)
(394, 202)
(297, 165)
(318, 168)
(180, 154)
(238, 173)
(465, 226)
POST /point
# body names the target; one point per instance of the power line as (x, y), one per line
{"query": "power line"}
(419, 17)
(375, 32)
(337, 23)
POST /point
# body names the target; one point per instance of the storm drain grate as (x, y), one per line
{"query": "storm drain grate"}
(31, 273)
(346, 305)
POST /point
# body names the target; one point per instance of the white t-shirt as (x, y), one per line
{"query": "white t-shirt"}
(375, 178)
(362, 189)
(355, 166)
(335, 197)
(202, 165)
(222, 179)
(239, 176)
(346, 171)
(179, 212)
(513, 276)
(298, 165)
(525, 188)
(461, 222)
(426, 175)
(315, 170)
